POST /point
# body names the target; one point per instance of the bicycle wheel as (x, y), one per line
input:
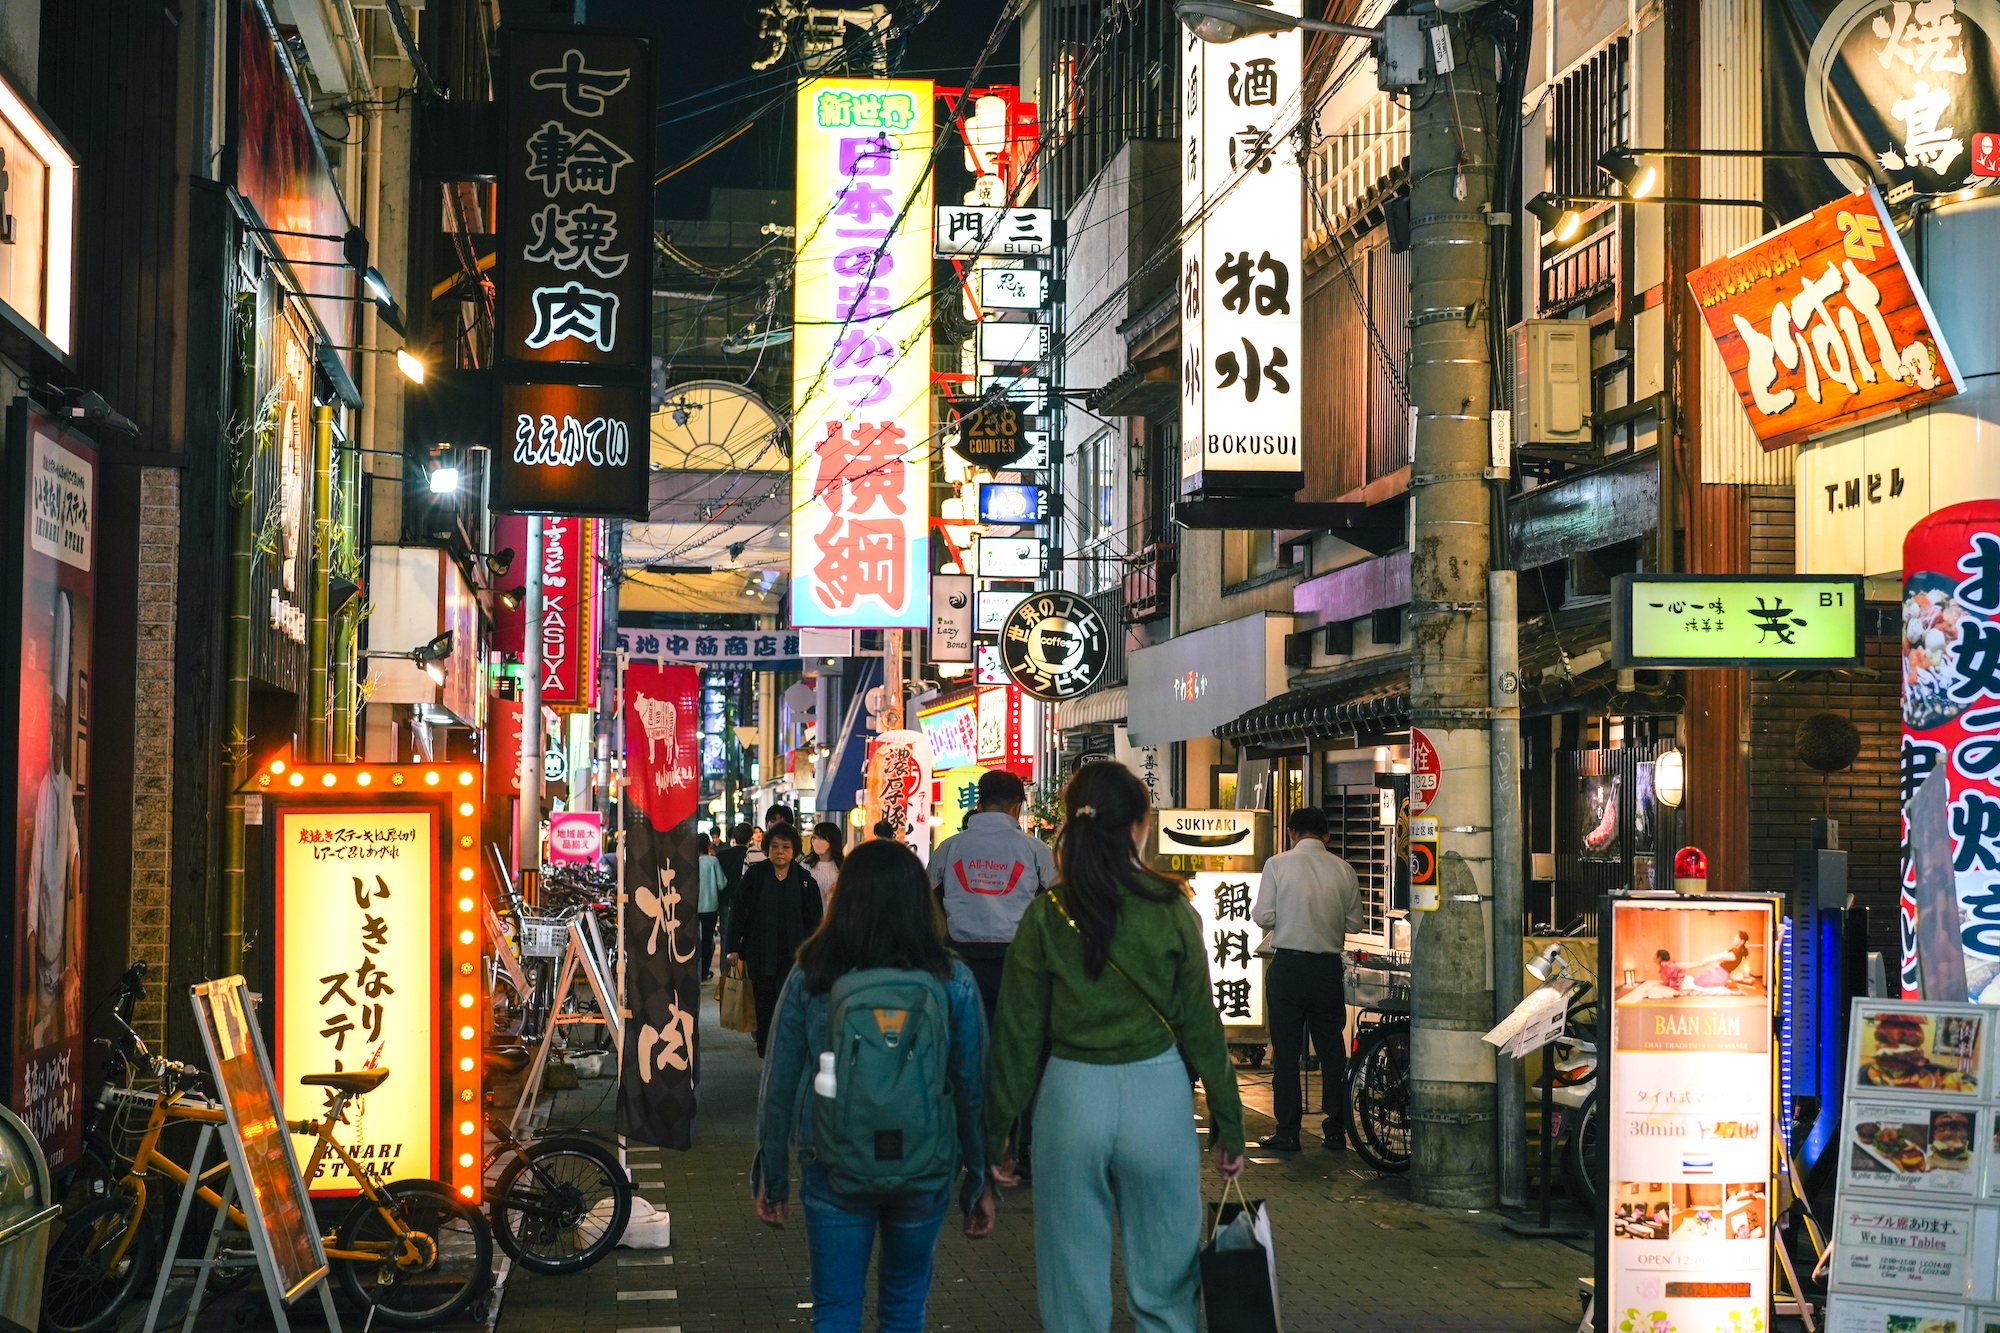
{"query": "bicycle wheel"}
(562, 1207)
(84, 1286)
(451, 1271)
(1378, 1099)
(1583, 1154)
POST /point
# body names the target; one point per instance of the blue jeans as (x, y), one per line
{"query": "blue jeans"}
(840, 1233)
(1117, 1140)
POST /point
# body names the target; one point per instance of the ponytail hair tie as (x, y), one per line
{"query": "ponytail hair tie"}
(1085, 811)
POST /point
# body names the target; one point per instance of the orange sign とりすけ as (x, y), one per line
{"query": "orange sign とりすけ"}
(1823, 323)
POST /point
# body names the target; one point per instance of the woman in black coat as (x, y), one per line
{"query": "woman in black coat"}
(776, 908)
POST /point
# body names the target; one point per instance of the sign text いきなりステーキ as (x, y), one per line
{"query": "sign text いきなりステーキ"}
(861, 360)
(1824, 323)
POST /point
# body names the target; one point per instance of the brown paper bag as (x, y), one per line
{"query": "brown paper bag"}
(739, 1010)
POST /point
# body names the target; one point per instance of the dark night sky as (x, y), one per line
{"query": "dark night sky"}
(706, 88)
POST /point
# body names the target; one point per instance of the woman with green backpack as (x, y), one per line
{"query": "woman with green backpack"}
(1108, 966)
(877, 1063)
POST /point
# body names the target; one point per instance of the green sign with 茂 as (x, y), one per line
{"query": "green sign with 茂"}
(1724, 620)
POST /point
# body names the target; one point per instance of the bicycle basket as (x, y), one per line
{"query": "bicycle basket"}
(543, 936)
(1378, 980)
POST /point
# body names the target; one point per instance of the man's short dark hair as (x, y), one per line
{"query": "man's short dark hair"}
(741, 835)
(884, 829)
(1000, 789)
(781, 814)
(1308, 821)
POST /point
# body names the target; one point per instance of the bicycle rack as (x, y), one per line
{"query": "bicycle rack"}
(214, 1257)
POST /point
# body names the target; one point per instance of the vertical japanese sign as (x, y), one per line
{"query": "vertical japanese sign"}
(1824, 323)
(662, 740)
(358, 959)
(1691, 1088)
(575, 273)
(861, 359)
(1223, 899)
(569, 608)
(659, 1059)
(56, 510)
(1951, 720)
(1241, 280)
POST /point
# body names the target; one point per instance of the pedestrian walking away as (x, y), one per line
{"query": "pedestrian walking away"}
(708, 905)
(779, 908)
(886, 1129)
(986, 874)
(829, 849)
(1308, 903)
(1109, 966)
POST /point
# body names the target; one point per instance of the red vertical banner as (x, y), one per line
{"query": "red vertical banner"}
(1951, 720)
(569, 607)
(662, 740)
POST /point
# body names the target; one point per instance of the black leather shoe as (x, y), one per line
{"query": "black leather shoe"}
(1336, 1145)
(1279, 1143)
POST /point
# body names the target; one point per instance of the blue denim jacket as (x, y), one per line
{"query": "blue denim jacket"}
(801, 1029)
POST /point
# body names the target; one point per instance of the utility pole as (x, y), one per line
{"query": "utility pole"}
(1452, 168)
(528, 828)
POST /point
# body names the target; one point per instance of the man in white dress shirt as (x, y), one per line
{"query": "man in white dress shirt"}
(1309, 901)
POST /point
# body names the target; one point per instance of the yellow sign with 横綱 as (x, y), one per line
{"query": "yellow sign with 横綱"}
(1697, 620)
(357, 981)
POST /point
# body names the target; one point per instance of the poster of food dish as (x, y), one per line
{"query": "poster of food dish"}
(1597, 817)
(1691, 1088)
(1888, 1244)
(1903, 1046)
(1907, 1147)
(1855, 1314)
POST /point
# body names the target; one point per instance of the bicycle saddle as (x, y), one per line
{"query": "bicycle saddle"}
(507, 1059)
(354, 1082)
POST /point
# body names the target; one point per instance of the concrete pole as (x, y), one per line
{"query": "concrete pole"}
(1452, 166)
(1508, 899)
(528, 828)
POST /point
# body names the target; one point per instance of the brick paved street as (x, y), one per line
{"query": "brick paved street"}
(1353, 1253)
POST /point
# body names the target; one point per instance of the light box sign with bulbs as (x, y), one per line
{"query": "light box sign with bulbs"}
(378, 958)
(1724, 620)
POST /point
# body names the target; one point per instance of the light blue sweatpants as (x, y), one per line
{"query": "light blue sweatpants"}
(1123, 1134)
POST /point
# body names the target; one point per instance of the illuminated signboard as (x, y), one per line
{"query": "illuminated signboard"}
(994, 606)
(1690, 1101)
(1009, 502)
(379, 957)
(1223, 899)
(1242, 284)
(953, 734)
(1013, 288)
(1708, 620)
(1009, 557)
(861, 355)
(357, 988)
(569, 608)
(1823, 323)
(1016, 344)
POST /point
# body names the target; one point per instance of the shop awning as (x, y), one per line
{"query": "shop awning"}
(1106, 705)
(1329, 708)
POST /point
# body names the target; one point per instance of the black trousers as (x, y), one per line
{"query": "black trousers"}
(1301, 990)
(707, 958)
(764, 994)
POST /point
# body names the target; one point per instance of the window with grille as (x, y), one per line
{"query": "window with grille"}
(1356, 837)
(1350, 169)
(1113, 75)
(1590, 113)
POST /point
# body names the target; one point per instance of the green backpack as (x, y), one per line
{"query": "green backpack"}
(891, 1126)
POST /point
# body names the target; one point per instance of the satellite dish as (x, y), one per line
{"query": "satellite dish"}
(716, 426)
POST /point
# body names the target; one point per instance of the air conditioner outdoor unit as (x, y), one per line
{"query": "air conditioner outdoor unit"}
(1550, 375)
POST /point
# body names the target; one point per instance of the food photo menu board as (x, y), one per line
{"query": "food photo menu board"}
(1916, 1233)
(1692, 1093)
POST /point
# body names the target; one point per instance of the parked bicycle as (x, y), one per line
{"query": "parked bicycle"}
(1378, 1072)
(409, 1249)
(562, 1200)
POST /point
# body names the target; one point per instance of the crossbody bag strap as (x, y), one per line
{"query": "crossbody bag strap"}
(1136, 988)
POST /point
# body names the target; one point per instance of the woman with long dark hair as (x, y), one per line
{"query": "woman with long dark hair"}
(825, 859)
(877, 1066)
(1108, 964)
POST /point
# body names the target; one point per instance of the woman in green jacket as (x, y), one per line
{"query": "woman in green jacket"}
(1108, 966)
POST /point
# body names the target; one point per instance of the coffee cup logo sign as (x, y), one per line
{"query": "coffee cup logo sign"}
(1054, 645)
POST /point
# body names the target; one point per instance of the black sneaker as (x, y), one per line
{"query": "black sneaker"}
(1279, 1143)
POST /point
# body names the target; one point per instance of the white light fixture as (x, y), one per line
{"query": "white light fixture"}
(444, 481)
(412, 368)
(1548, 963)
(1670, 779)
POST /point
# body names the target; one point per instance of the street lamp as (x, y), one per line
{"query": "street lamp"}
(431, 656)
(1637, 176)
(1231, 20)
(1558, 212)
